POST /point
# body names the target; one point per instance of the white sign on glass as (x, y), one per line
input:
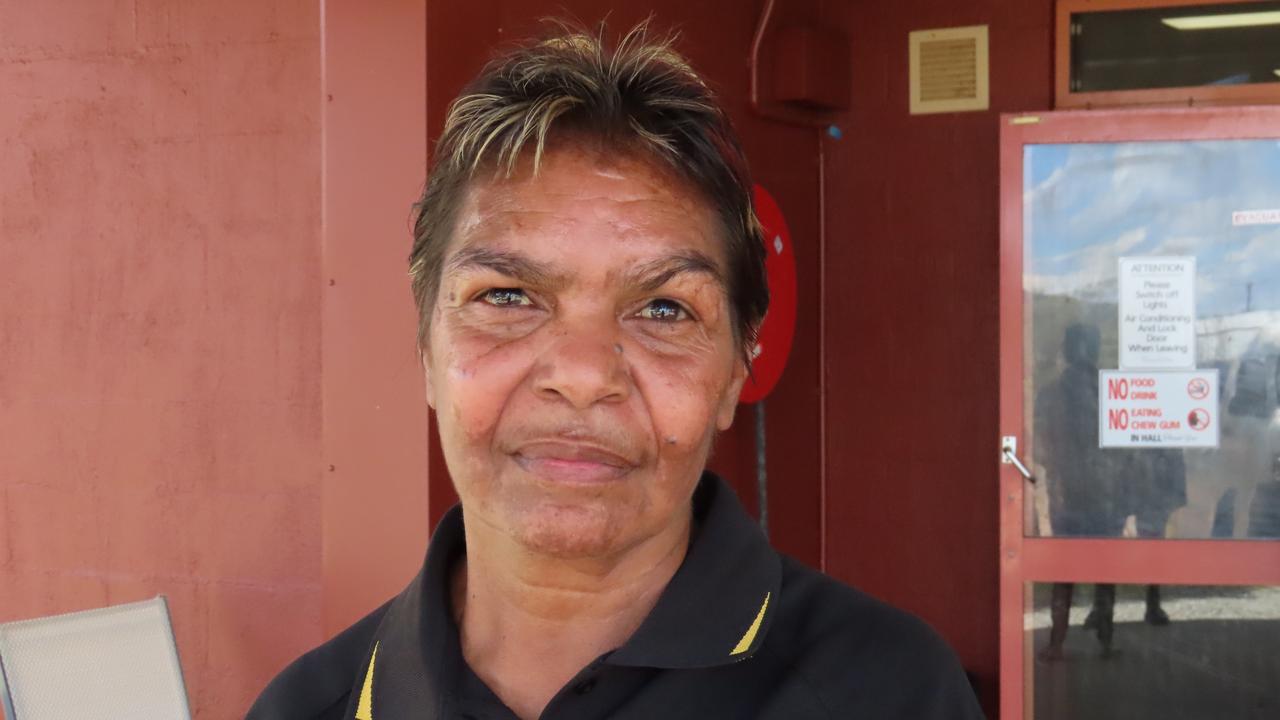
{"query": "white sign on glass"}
(1158, 409)
(1157, 313)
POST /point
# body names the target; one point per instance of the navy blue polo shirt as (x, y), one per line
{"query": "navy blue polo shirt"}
(739, 632)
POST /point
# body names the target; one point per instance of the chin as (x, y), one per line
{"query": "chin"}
(579, 530)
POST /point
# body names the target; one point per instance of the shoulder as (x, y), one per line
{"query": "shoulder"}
(856, 652)
(317, 685)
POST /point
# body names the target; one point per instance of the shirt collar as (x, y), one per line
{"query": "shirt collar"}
(716, 610)
(718, 606)
(417, 650)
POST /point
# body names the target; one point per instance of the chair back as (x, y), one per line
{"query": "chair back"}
(110, 663)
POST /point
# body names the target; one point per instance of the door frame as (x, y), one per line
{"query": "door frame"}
(1130, 561)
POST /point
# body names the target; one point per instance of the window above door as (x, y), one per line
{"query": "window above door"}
(1112, 53)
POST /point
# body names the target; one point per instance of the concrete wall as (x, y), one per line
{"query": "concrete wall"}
(160, 423)
(375, 410)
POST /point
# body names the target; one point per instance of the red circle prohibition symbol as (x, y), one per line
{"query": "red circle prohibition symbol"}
(1198, 419)
(1198, 388)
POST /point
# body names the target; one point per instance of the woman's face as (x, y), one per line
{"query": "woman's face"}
(581, 355)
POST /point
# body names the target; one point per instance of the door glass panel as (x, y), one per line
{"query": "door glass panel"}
(1169, 653)
(1152, 338)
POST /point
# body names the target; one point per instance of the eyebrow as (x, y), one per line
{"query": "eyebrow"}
(515, 265)
(654, 274)
(648, 276)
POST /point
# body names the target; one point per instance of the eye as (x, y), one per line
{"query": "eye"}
(664, 310)
(505, 297)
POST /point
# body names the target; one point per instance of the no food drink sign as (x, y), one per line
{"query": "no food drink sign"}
(1158, 409)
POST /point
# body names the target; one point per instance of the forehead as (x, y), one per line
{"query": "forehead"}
(582, 201)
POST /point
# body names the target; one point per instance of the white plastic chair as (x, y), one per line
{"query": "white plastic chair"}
(111, 663)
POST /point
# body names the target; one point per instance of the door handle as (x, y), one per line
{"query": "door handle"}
(1009, 456)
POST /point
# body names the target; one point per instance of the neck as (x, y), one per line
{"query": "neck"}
(530, 622)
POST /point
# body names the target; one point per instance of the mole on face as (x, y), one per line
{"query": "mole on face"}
(617, 347)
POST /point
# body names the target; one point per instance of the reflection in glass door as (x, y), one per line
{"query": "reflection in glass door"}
(1140, 375)
(1186, 236)
(1216, 660)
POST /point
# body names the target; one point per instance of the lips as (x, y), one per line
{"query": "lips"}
(573, 462)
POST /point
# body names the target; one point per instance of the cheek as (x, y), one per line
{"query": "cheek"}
(683, 399)
(473, 382)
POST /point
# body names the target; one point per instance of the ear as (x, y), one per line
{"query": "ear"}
(426, 377)
(729, 401)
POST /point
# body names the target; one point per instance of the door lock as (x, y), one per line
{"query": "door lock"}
(1009, 456)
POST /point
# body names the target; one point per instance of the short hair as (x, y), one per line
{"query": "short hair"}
(638, 96)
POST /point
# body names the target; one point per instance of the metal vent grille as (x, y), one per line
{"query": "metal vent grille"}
(949, 70)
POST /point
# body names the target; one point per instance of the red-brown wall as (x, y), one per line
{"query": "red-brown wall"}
(912, 322)
(375, 413)
(160, 323)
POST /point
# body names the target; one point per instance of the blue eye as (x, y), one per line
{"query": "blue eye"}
(505, 297)
(664, 310)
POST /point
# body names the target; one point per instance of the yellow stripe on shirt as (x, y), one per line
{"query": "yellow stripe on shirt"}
(364, 710)
(750, 636)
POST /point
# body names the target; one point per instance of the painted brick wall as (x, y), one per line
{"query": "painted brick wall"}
(160, 323)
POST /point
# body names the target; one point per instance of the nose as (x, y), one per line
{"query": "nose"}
(583, 365)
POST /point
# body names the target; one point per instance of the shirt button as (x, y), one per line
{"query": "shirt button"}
(585, 686)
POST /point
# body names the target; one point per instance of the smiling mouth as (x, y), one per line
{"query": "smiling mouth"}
(571, 463)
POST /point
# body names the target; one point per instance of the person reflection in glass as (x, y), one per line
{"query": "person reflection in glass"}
(1084, 490)
(1158, 478)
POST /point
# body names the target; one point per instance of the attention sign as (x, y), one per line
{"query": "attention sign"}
(1157, 313)
(1158, 409)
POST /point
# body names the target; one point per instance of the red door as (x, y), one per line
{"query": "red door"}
(1140, 364)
